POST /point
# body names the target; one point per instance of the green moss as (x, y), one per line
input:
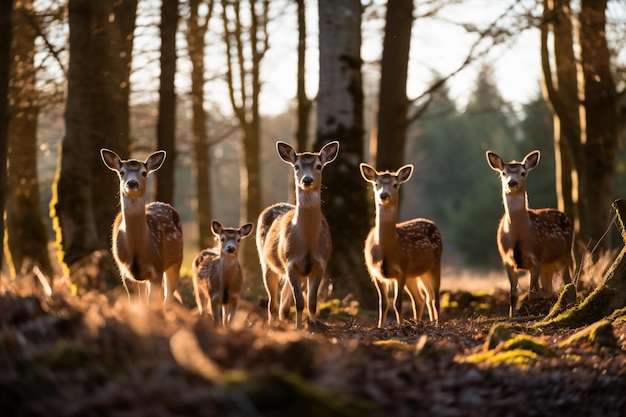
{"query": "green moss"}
(567, 299)
(497, 334)
(529, 343)
(599, 333)
(517, 357)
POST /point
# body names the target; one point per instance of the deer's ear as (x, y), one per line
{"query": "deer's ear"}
(531, 160)
(216, 227)
(155, 161)
(246, 229)
(368, 172)
(495, 162)
(329, 152)
(286, 152)
(405, 173)
(111, 159)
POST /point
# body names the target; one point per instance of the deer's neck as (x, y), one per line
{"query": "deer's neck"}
(516, 210)
(308, 214)
(386, 235)
(135, 223)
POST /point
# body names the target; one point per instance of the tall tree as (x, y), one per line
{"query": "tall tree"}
(561, 93)
(601, 122)
(196, 31)
(96, 115)
(584, 101)
(6, 11)
(246, 45)
(305, 105)
(27, 235)
(393, 102)
(340, 116)
(166, 124)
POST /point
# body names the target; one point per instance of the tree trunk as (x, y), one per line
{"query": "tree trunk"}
(166, 124)
(6, 11)
(244, 87)
(340, 116)
(72, 205)
(195, 41)
(393, 102)
(609, 297)
(562, 95)
(109, 121)
(96, 116)
(304, 104)
(601, 133)
(27, 235)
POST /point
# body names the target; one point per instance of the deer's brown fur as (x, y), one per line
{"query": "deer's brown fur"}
(147, 239)
(537, 241)
(406, 255)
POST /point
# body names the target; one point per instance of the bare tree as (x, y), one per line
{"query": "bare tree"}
(246, 46)
(27, 235)
(196, 30)
(393, 102)
(96, 115)
(6, 11)
(305, 105)
(340, 117)
(166, 124)
(584, 102)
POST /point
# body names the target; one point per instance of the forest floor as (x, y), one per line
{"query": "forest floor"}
(63, 354)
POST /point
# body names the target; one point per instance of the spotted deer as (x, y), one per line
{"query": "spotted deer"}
(147, 239)
(294, 242)
(406, 255)
(217, 274)
(537, 241)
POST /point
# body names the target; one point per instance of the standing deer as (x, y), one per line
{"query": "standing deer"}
(538, 241)
(294, 242)
(147, 239)
(217, 274)
(407, 255)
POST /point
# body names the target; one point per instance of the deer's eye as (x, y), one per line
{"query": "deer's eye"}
(296, 168)
(395, 186)
(319, 167)
(523, 173)
(144, 173)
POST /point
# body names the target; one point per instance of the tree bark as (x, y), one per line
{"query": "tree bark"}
(27, 234)
(601, 133)
(72, 205)
(562, 96)
(340, 116)
(96, 115)
(304, 104)
(244, 86)
(166, 124)
(195, 40)
(393, 102)
(6, 11)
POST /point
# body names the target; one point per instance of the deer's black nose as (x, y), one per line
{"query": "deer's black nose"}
(307, 181)
(513, 184)
(229, 249)
(132, 184)
(384, 196)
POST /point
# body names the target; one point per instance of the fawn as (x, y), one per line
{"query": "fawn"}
(217, 274)
(294, 242)
(147, 239)
(538, 241)
(407, 254)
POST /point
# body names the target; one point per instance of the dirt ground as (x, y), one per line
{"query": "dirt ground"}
(95, 355)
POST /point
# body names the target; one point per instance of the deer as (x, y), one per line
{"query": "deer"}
(539, 241)
(406, 255)
(294, 241)
(217, 274)
(147, 241)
